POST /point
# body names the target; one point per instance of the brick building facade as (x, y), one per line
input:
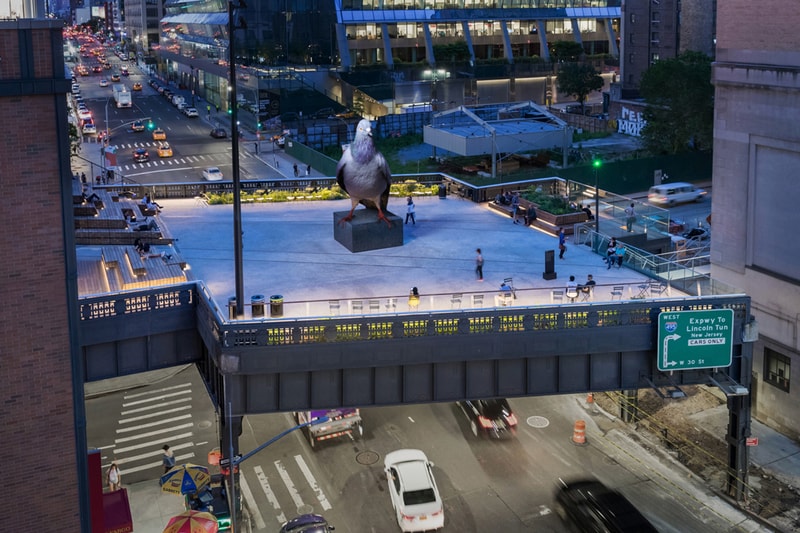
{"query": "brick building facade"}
(756, 156)
(43, 452)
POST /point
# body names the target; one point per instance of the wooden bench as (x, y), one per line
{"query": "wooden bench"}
(136, 262)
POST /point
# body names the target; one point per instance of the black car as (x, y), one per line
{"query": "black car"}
(219, 133)
(141, 155)
(307, 523)
(489, 417)
(589, 506)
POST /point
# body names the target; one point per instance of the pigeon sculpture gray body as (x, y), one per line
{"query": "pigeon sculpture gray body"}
(364, 174)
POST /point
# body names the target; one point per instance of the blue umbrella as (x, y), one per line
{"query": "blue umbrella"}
(185, 479)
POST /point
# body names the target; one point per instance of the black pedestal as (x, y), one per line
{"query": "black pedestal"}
(365, 232)
(549, 265)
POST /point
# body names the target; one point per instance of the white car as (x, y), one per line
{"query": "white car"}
(212, 174)
(89, 128)
(191, 112)
(104, 83)
(84, 114)
(415, 496)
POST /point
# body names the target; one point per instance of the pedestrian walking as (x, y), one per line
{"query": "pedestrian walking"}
(410, 211)
(113, 477)
(479, 264)
(630, 217)
(562, 243)
(167, 459)
(296, 170)
(308, 170)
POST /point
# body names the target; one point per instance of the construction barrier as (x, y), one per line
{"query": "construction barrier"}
(579, 433)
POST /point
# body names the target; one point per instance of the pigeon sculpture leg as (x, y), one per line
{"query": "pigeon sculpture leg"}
(363, 173)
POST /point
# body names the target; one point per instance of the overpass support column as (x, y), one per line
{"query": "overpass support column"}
(629, 405)
(739, 412)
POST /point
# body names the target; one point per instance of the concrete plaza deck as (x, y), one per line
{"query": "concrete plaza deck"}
(289, 250)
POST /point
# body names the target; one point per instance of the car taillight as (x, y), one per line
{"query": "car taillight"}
(485, 422)
(511, 419)
(408, 517)
(437, 513)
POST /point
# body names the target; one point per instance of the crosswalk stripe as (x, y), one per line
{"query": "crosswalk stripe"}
(155, 406)
(155, 391)
(298, 501)
(181, 458)
(153, 433)
(251, 503)
(156, 423)
(262, 478)
(156, 398)
(150, 443)
(312, 482)
(151, 415)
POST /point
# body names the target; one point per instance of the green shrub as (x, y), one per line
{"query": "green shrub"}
(556, 205)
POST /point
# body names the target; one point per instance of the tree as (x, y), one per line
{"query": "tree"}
(566, 51)
(578, 80)
(680, 104)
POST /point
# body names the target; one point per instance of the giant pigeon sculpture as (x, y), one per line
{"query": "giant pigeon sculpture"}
(363, 174)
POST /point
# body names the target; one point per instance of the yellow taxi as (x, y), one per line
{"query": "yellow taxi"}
(115, 77)
(137, 86)
(164, 150)
(159, 135)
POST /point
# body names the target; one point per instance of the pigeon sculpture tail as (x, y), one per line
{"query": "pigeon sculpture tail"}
(363, 174)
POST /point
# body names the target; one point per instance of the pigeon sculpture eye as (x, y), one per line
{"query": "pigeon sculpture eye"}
(363, 174)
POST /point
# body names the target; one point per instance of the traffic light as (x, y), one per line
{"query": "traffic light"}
(151, 125)
(258, 125)
(597, 163)
(230, 111)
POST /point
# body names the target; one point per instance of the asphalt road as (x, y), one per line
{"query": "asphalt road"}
(486, 485)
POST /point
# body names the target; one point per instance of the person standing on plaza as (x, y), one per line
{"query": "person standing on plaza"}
(562, 243)
(296, 170)
(479, 264)
(514, 206)
(167, 459)
(308, 170)
(410, 211)
(630, 217)
(114, 477)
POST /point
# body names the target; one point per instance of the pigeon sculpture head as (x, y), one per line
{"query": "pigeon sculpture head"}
(363, 174)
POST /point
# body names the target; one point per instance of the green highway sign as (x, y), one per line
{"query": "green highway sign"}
(688, 340)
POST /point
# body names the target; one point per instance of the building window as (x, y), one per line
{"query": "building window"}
(655, 17)
(777, 369)
(655, 37)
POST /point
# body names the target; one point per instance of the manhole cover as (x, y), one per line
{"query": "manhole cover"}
(367, 458)
(205, 424)
(538, 422)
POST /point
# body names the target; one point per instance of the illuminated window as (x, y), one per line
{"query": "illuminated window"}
(777, 369)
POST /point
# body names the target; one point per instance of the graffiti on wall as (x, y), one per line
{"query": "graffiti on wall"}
(630, 122)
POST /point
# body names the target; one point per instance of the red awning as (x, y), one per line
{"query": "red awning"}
(117, 512)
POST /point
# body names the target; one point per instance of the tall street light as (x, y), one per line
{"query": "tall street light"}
(237, 197)
(596, 164)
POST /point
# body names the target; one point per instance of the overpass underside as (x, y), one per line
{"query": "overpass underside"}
(277, 365)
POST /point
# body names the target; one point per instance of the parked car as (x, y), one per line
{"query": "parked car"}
(675, 193)
(141, 155)
(492, 417)
(219, 133)
(588, 506)
(413, 491)
(307, 523)
(325, 112)
(89, 128)
(697, 234)
(191, 112)
(212, 174)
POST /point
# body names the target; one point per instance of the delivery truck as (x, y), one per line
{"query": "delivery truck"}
(122, 96)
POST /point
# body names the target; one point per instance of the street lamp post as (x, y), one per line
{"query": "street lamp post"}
(237, 197)
(596, 164)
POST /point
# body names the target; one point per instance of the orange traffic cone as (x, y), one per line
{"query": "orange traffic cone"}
(590, 398)
(579, 433)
